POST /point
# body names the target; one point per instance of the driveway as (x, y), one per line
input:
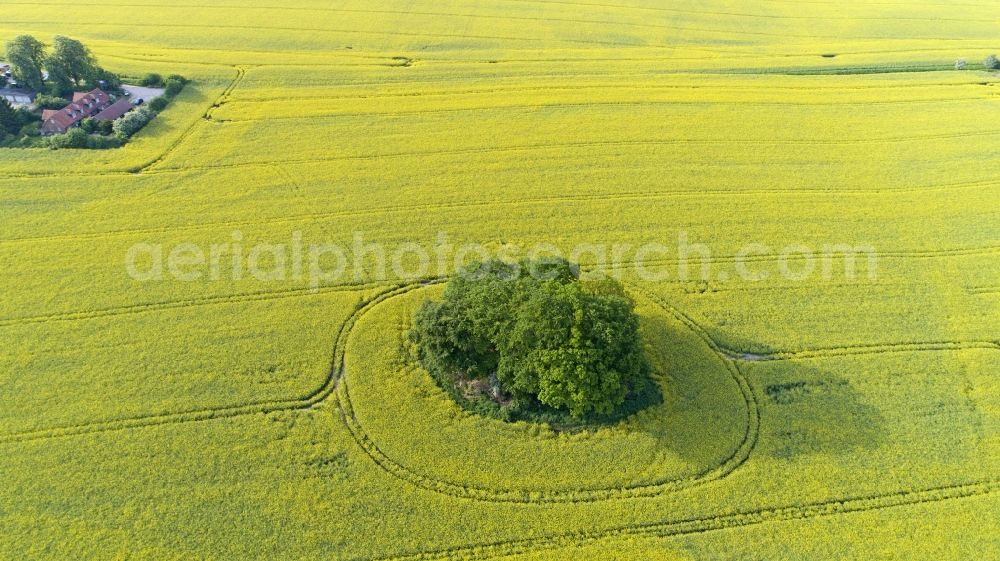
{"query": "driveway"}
(146, 94)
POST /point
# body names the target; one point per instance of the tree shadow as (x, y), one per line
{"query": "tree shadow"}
(803, 409)
(809, 410)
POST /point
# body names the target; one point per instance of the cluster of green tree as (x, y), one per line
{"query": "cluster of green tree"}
(546, 343)
(15, 122)
(70, 66)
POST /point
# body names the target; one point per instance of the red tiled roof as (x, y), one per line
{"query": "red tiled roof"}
(115, 110)
(84, 106)
(78, 95)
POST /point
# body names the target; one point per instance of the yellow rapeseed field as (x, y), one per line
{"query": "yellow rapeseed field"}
(813, 408)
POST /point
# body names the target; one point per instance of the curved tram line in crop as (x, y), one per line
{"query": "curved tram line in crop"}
(739, 455)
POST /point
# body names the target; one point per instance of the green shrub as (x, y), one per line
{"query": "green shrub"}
(74, 138)
(174, 85)
(159, 104)
(112, 83)
(152, 80)
(31, 129)
(132, 122)
(25, 116)
(88, 125)
(95, 142)
(172, 88)
(991, 63)
(104, 127)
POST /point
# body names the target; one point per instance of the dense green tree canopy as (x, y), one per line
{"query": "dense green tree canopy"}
(9, 122)
(545, 335)
(75, 56)
(70, 64)
(26, 56)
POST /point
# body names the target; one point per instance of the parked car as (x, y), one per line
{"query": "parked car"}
(138, 101)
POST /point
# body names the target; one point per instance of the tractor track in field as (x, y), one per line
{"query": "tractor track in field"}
(721, 469)
(628, 80)
(597, 197)
(487, 150)
(629, 42)
(80, 315)
(856, 350)
(262, 295)
(598, 6)
(330, 92)
(704, 524)
(620, 7)
(641, 103)
(843, 505)
(309, 399)
(241, 72)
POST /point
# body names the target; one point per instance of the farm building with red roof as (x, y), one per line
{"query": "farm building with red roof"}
(84, 105)
(115, 110)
